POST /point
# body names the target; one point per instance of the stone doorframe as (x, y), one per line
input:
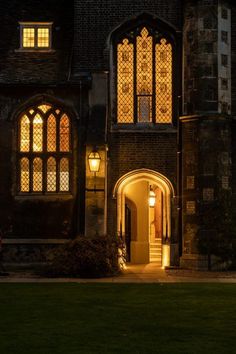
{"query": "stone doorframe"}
(168, 193)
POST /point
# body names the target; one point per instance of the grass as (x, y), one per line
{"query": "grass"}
(117, 318)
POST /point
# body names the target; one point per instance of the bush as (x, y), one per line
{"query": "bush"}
(84, 257)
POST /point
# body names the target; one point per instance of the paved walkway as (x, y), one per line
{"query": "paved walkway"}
(142, 273)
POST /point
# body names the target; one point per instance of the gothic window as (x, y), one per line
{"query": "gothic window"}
(44, 151)
(144, 78)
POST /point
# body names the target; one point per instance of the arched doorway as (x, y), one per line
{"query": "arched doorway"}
(146, 230)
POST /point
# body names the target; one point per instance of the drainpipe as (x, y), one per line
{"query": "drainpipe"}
(106, 153)
(82, 171)
(179, 182)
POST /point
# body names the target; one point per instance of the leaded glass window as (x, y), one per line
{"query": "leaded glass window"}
(44, 154)
(52, 175)
(25, 133)
(144, 77)
(24, 174)
(125, 83)
(35, 35)
(37, 175)
(64, 174)
(51, 133)
(64, 133)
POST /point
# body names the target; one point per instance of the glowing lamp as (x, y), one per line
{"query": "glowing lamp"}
(94, 161)
(152, 198)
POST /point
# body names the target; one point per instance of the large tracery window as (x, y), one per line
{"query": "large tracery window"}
(44, 153)
(144, 78)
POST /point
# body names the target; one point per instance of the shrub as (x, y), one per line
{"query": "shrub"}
(84, 257)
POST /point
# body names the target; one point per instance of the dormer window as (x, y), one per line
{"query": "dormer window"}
(35, 35)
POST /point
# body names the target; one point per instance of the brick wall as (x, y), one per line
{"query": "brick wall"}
(18, 67)
(94, 21)
(130, 151)
(53, 216)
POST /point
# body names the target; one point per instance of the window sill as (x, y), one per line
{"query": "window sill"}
(34, 50)
(32, 240)
(144, 127)
(45, 197)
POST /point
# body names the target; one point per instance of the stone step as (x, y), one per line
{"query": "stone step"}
(155, 249)
(157, 242)
(155, 254)
(159, 248)
(155, 260)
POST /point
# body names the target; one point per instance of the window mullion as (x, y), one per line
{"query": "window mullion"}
(31, 174)
(44, 171)
(31, 134)
(70, 172)
(57, 174)
(153, 80)
(36, 37)
(58, 153)
(31, 156)
(135, 82)
(18, 175)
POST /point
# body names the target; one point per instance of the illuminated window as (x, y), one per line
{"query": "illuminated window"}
(37, 175)
(36, 35)
(144, 78)
(24, 176)
(51, 133)
(52, 175)
(28, 37)
(44, 155)
(43, 37)
(64, 133)
(64, 174)
(25, 133)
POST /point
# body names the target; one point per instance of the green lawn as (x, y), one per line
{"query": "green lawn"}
(117, 318)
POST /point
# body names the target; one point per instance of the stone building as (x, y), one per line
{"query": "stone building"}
(143, 88)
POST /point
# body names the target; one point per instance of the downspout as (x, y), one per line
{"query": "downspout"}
(179, 143)
(179, 184)
(106, 154)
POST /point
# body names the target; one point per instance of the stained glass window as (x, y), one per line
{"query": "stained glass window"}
(37, 133)
(44, 150)
(163, 82)
(37, 175)
(25, 134)
(44, 107)
(64, 175)
(51, 175)
(24, 175)
(125, 85)
(64, 133)
(51, 133)
(144, 78)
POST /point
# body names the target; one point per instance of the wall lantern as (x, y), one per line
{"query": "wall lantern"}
(94, 161)
(152, 198)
